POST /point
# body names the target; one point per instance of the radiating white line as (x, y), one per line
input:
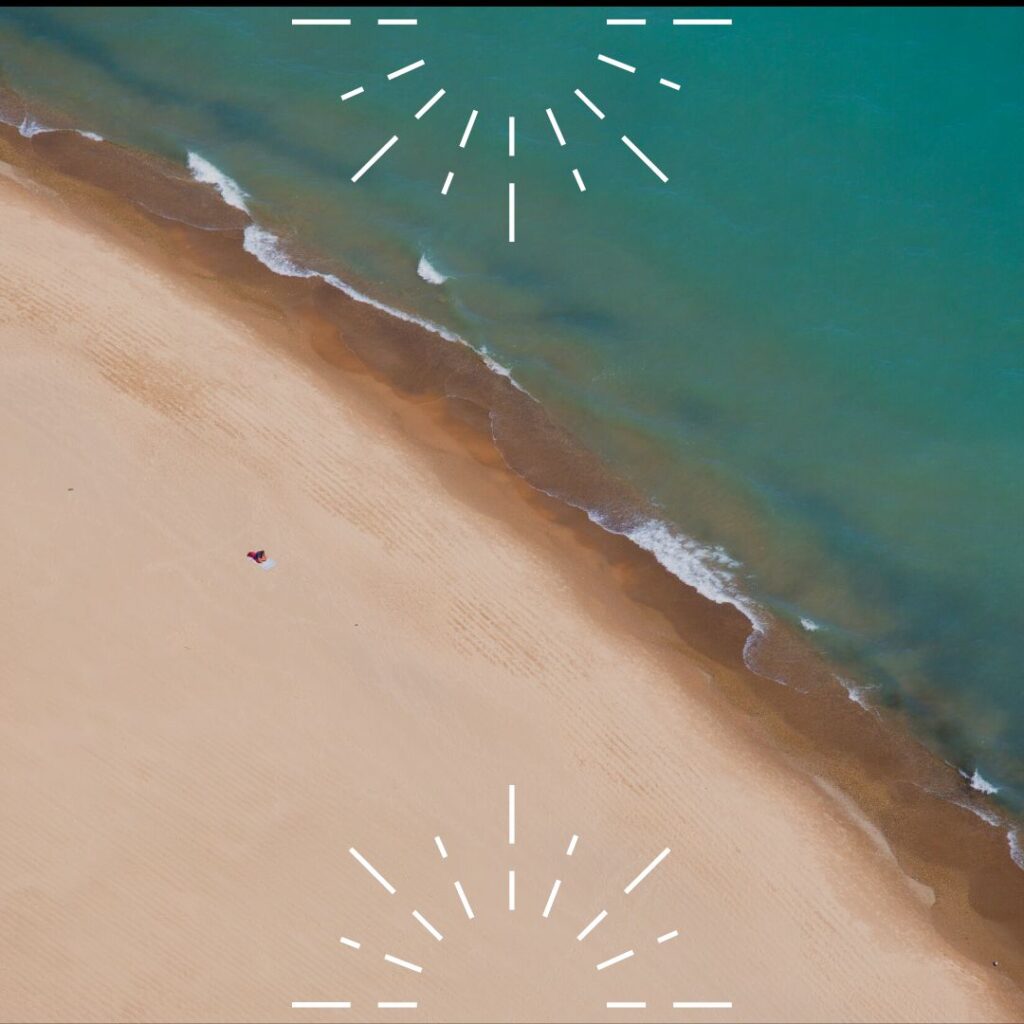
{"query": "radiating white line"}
(511, 152)
(664, 853)
(668, 935)
(590, 927)
(702, 21)
(430, 928)
(616, 63)
(397, 21)
(653, 167)
(511, 788)
(627, 21)
(465, 903)
(406, 69)
(702, 1006)
(583, 188)
(352, 92)
(321, 21)
(469, 128)
(426, 106)
(511, 890)
(355, 853)
(403, 963)
(590, 104)
(397, 1006)
(670, 85)
(319, 1004)
(626, 1006)
(554, 124)
(511, 238)
(437, 839)
(575, 838)
(615, 960)
(551, 899)
(444, 192)
(349, 942)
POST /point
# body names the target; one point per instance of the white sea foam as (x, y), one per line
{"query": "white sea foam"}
(707, 569)
(30, 127)
(987, 816)
(1016, 849)
(810, 625)
(429, 272)
(266, 247)
(856, 692)
(231, 192)
(981, 784)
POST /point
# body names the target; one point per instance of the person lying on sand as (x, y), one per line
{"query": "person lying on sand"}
(257, 556)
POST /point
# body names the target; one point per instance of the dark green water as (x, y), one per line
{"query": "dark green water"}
(807, 347)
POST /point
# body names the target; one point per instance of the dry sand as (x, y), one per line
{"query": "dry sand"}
(190, 745)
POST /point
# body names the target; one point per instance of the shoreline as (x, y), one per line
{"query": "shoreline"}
(886, 774)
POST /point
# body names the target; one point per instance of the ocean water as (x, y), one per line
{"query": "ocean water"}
(806, 348)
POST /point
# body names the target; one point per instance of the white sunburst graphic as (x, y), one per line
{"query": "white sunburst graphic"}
(464, 915)
(613, 62)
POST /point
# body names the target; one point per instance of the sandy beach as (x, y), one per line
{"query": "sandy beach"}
(192, 745)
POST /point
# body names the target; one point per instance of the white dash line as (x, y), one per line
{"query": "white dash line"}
(397, 21)
(355, 177)
(511, 890)
(406, 69)
(615, 960)
(469, 128)
(627, 21)
(403, 963)
(575, 838)
(437, 839)
(465, 903)
(551, 899)
(554, 125)
(397, 1006)
(349, 942)
(320, 1004)
(511, 238)
(616, 63)
(702, 1006)
(321, 21)
(511, 788)
(590, 927)
(444, 192)
(668, 935)
(583, 188)
(430, 928)
(355, 853)
(352, 92)
(664, 177)
(669, 84)
(426, 106)
(626, 1006)
(511, 152)
(586, 100)
(702, 21)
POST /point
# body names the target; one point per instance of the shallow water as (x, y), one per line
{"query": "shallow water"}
(805, 347)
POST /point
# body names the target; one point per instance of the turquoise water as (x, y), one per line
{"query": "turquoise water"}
(807, 347)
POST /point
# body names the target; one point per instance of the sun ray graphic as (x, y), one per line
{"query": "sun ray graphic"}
(406, 967)
(612, 62)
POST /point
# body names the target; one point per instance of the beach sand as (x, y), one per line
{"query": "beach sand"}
(190, 745)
